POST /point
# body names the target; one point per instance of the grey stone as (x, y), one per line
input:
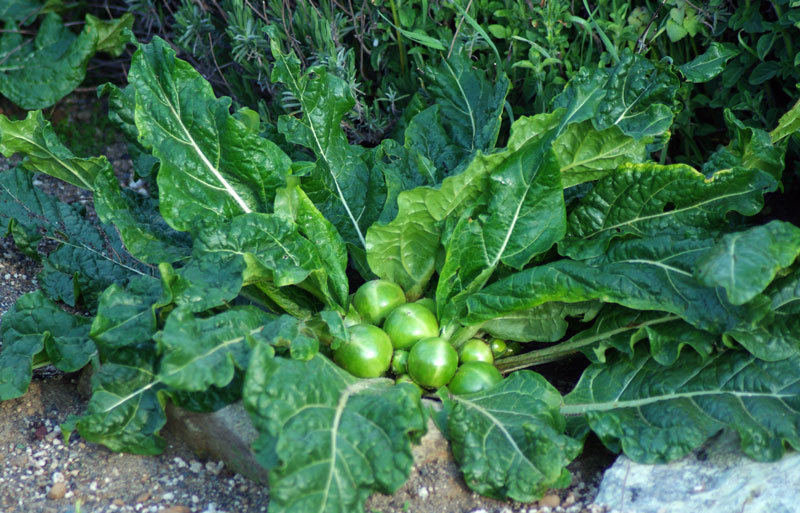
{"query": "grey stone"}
(225, 435)
(717, 478)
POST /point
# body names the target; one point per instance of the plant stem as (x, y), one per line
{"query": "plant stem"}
(400, 48)
(572, 346)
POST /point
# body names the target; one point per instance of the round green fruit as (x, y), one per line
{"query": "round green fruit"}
(400, 362)
(475, 350)
(498, 347)
(432, 362)
(474, 377)
(428, 303)
(514, 348)
(367, 354)
(375, 299)
(408, 323)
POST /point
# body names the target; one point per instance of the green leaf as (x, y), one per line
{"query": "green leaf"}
(621, 329)
(508, 441)
(144, 233)
(35, 325)
(212, 166)
(543, 323)
(470, 105)
(649, 199)
(710, 63)
(426, 139)
(763, 72)
(635, 95)
(403, 169)
(293, 203)
(126, 316)
(787, 125)
(657, 414)
(649, 274)
(206, 281)
(524, 217)
(344, 189)
(405, 250)
(111, 37)
(753, 147)
(88, 258)
(328, 439)
(37, 73)
(587, 154)
(744, 263)
(126, 410)
(35, 138)
(273, 250)
(24, 10)
(201, 352)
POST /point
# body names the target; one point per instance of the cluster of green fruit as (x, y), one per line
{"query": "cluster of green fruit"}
(404, 338)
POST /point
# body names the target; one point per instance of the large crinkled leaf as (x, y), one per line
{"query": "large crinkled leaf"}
(206, 281)
(111, 37)
(213, 167)
(523, 217)
(657, 414)
(126, 410)
(586, 153)
(777, 336)
(36, 328)
(744, 263)
(405, 250)
(648, 274)
(273, 250)
(35, 138)
(642, 199)
(508, 441)
(788, 124)
(38, 72)
(470, 106)
(89, 257)
(345, 190)
(749, 147)
(329, 440)
(634, 95)
(293, 203)
(25, 11)
(710, 63)
(126, 316)
(143, 231)
(543, 323)
(621, 329)
(121, 112)
(402, 169)
(200, 352)
(426, 137)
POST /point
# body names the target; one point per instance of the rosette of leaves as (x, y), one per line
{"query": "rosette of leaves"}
(242, 289)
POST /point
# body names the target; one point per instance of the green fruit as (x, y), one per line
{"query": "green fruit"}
(375, 299)
(474, 377)
(513, 348)
(400, 362)
(475, 350)
(432, 362)
(408, 323)
(498, 347)
(367, 354)
(428, 303)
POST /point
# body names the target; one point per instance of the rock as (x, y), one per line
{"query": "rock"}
(175, 509)
(57, 491)
(224, 435)
(717, 478)
(550, 500)
(143, 497)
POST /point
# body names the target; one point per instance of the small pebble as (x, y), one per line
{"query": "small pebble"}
(175, 509)
(57, 491)
(550, 500)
